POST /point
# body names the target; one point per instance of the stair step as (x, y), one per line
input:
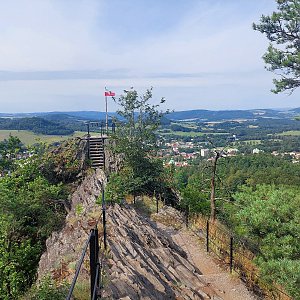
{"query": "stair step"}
(97, 152)
(96, 147)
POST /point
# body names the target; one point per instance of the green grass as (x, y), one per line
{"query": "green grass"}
(182, 133)
(191, 133)
(291, 132)
(29, 138)
(147, 205)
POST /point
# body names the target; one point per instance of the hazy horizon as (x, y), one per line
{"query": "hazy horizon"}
(99, 111)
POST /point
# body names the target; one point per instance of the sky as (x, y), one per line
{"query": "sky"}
(59, 55)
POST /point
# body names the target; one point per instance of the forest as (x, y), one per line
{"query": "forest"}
(258, 200)
(35, 124)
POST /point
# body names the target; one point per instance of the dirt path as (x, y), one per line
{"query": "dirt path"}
(220, 284)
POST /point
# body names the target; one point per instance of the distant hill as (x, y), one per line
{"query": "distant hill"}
(210, 115)
(221, 115)
(198, 114)
(80, 115)
(35, 124)
(297, 110)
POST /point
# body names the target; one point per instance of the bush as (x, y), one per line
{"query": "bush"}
(48, 289)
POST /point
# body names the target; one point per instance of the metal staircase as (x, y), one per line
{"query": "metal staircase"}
(96, 152)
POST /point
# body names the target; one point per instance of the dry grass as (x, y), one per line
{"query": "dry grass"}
(243, 258)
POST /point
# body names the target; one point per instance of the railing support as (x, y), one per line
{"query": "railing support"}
(104, 220)
(231, 254)
(88, 139)
(93, 262)
(207, 236)
(187, 211)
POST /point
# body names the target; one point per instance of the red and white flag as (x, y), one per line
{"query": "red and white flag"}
(109, 94)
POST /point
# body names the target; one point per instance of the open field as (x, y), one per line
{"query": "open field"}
(191, 133)
(181, 133)
(29, 138)
(291, 132)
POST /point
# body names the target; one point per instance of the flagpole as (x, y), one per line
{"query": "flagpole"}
(106, 114)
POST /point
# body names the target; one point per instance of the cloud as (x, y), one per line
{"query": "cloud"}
(59, 54)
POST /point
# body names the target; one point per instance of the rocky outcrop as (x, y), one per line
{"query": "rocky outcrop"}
(113, 161)
(64, 248)
(144, 263)
(66, 162)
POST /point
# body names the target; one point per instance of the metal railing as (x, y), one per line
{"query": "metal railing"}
(101, 128)
(96, 258)
(236, 253)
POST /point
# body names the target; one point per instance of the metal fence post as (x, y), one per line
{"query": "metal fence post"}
(187, 214)
(104, 220)
(97, 252)
(231, 254)
(156, 199)
(101, 128)
(92, 261)
(88, 139)
(207, 236)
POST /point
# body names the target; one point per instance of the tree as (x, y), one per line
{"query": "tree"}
(8, 151)
(136, 139)
(268, 215)
(282, 28)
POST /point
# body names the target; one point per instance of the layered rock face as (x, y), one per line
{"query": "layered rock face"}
(142, 262)
(63, 248)
(145, 263)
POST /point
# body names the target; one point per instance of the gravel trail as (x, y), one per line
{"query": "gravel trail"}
(220, 284)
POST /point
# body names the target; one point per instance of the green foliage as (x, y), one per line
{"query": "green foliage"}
(8, 151)
(63, 163)
(79, 209)
(35, 124)
(116, 188)
(195, 200)
(260, 201)
(285, 272)
(32, 206)
(29, 212)
(47, 289)
(282, 28)
(269, 216)
(135, 138)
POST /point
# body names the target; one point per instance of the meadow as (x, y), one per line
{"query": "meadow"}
(30, 138)
(291, 132)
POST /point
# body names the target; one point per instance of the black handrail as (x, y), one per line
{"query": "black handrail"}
(96, 285)
(95, 264)
(79, 267)
(101, 126)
